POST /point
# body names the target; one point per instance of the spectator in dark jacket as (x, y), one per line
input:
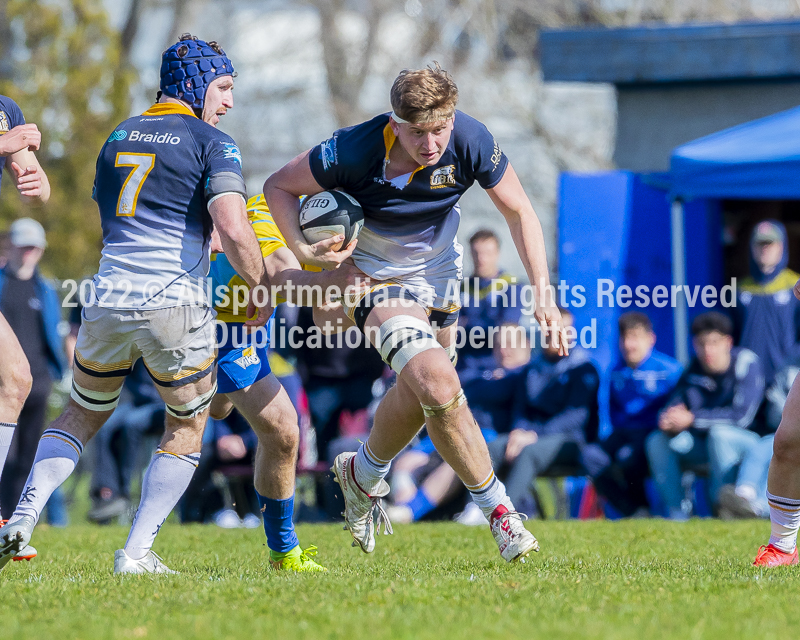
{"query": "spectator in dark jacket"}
(486, 299)
(767, 313)
(708, 418)
(555, 416)
(33, 310)
(641, 383)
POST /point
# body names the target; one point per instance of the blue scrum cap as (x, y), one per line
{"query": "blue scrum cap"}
(189, 66)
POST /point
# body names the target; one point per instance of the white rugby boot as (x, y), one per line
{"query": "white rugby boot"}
(26, 553)
(358, 505)
(513, 539)
(151, 563)
(14, 537)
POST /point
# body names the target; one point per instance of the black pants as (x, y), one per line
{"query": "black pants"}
(327, 398)
(22, 453)
(535, 459)
(622, 482)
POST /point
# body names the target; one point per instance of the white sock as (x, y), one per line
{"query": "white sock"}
(489, 494)
(369, 469)
(163, 485)
(56, 456)
(6, 435)
(784, 514)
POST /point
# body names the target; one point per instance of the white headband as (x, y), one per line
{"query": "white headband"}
(398, 119)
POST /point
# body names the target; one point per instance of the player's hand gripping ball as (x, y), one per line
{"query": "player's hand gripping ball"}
(329, 214)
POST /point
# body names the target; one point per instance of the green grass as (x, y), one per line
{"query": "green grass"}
(638, 579)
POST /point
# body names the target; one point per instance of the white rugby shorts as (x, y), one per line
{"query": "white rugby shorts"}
(178, 344)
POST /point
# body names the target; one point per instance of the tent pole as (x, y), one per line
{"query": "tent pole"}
(679, 311)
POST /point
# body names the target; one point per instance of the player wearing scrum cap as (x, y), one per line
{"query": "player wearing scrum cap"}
(158, 196)
(408, 169)
(18, 142)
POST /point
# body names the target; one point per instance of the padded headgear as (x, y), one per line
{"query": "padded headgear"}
(189, 66)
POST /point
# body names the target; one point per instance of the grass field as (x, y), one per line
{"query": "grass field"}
(636, 579)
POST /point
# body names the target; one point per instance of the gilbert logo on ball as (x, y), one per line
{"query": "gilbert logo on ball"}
(329, 214)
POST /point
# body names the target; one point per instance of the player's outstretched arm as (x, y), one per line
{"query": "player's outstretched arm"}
(17, 148)
(309, 288)
(282, 191)
(240, 245)
(511, 200)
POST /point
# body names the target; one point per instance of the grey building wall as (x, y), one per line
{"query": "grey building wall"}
(654, 119)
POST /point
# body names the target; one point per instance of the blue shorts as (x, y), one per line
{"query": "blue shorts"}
(241, 361)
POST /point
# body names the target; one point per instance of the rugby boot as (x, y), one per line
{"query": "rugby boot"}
(26, 553)
(359, 505)
(771, 556)
(14, 537)
(151, 563)
(297, 560)
(513, 539)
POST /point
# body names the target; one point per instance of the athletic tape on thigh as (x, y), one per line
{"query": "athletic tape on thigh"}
(441, 409)
(452, 353)
(95, 400)
(403, 337)
(193, 407)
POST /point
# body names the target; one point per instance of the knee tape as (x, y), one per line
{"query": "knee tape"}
(440, 409)
(403, 337)
(193, 407)
(95, 400)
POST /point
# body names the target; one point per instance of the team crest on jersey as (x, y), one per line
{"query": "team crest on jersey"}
(232, 153)
(328, 153)
(249, 358)
(444, 177)
(3, 122)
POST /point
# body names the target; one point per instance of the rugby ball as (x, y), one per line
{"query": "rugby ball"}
(328, 214)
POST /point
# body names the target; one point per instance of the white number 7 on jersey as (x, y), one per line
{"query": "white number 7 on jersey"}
(142, 163)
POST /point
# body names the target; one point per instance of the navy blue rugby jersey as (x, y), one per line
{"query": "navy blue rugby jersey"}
(10, 117)
(410, 222)
(156, 176)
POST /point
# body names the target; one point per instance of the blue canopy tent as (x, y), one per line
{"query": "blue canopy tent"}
(757, 160)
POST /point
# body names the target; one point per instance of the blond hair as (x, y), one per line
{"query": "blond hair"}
(424, 95)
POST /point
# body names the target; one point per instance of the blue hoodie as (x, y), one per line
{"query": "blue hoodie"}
(767, 313)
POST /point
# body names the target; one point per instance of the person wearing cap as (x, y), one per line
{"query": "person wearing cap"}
(767, 315)
(163, 179)
(32, 308)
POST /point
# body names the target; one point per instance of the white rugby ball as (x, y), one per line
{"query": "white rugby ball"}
(331, 213)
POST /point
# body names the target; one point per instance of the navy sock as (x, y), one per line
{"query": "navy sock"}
(278, 523)
(421, 505)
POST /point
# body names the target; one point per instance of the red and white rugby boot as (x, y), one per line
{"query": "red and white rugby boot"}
(513, 539)
(14, 540)
(359, 505)
(26, 553)
(771, 556)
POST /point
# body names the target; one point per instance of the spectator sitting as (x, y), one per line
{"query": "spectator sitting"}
(708, 418)
(490, 396)
(555, 416)
(747, 498)
(767, 313)
(641, 383)
(33, 310)
(484, 305)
